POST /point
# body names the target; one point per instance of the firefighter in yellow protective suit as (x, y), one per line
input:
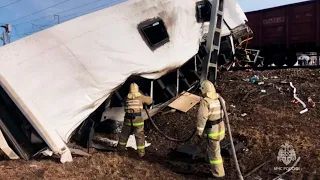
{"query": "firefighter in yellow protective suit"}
(133, 121)
(210, 125)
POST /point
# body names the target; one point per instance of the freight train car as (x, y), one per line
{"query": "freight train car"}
(281, 32)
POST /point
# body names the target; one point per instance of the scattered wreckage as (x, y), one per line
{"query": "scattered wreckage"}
(57, 85)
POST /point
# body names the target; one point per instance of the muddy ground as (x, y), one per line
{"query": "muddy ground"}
(263, 121)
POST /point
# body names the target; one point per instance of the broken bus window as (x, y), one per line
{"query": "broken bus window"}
(154, 32)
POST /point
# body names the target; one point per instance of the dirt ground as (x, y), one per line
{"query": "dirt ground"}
(271, 119)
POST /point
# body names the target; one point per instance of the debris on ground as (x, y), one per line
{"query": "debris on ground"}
(254, 79)
(185, 102)
(310, 101)
(263, 91)
(298, 99)
(244, 114)
(270, 121)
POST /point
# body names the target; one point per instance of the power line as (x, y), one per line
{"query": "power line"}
(9, 4)
(48, 24)
(58, 12)
(39, 11)
(105, 5)
(33, 20)
(81, 13)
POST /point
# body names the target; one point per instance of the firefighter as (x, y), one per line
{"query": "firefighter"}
(211, 126)
(133, 121)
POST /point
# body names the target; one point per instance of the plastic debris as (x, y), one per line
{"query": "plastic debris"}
(263, 91)
(299, 100)
(47, 152)
(279, 89)
(260, 83)
(244, 114)
(233, 106)
(254, 79)
(132, 142)
(310, 101)
(274, 77)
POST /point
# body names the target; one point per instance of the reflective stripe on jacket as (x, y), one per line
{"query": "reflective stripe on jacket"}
(135, 105)
(210, 110)
(215, 110)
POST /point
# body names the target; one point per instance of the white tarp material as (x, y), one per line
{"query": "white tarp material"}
(59, 76)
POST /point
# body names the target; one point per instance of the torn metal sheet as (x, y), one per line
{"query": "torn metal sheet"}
(185, 102)
(6, 149)
(79, 152)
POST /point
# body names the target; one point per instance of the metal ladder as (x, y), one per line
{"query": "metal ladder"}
(210, 61)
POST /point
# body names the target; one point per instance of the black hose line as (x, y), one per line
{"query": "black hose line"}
(162, 133)
(166, 136)
(195, 130)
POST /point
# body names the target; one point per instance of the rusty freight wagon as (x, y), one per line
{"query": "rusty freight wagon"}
(282, 32)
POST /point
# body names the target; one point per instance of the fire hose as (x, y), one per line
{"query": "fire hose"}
(166, 136)
(187, 139)
(231, 139)
(162, 133)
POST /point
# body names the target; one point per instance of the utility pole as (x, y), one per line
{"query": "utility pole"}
(6, 34)
(56, 16)
(3, 38)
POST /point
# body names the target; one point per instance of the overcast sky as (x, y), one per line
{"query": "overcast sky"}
(30, 16)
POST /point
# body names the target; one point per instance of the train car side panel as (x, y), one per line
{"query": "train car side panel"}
(302, 23)
(273, 26)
